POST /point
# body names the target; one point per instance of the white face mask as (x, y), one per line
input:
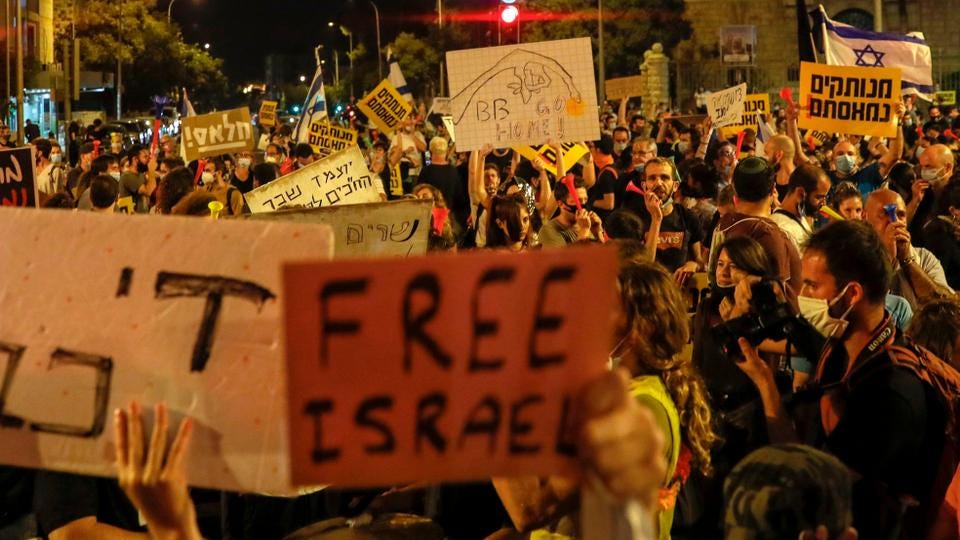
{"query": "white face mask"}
(243, 163)
(817, 312)
(115, 175)
(930, 174)
(270, 159)
(207, 178)
(56, 159)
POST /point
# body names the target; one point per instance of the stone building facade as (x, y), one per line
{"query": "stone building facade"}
(697, 62)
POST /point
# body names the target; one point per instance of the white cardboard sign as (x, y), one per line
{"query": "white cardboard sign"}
(341, 178)
(726, 106)
(523, 94)
(97, 310)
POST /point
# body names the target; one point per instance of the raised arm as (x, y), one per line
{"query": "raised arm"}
(896, 146)
(622, 113)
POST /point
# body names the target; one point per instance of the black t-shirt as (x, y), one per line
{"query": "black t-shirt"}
(16, 488)
(447, 180)
(60, 498)
(243, 186)
(606, 183)
(679, 231)
(943, 239)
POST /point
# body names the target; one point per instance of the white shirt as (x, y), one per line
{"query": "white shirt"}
(45, 182)
(797, 229)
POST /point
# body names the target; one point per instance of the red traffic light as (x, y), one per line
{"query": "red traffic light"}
(509, 14)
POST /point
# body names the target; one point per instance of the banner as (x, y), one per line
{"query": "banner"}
(18, 184)
(572, 152)
(443, 367)
(725, 107)
(327, 138)
(738, 44)
(947, 97)
(392, 229)
(341, 178)
(268, 113)
(753, 106)
(385, 107)
(624, 87)
(524, 94)
(850, 100)
(99, 318)
(216, 133)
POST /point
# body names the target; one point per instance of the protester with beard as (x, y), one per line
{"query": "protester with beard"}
(779, 151)
(806, 193)
(642, 150)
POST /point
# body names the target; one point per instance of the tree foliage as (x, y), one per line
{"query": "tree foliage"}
(419, 60)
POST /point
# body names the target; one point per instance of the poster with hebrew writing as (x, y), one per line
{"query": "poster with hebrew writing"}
(216, 133)
(341, 178)
(94, 317)
(524, 94)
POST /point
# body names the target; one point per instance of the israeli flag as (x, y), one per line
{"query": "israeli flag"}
(846, 45)
(396, 77)
(314, 108)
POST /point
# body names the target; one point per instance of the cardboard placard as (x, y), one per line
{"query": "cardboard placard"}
(816, 138)
(441, 106)
(328, 138)
(18, 177)
(268, 113)
(572, 152)
(726, 106)
(849, 99)
(391, 229)
(341, 178)
(125, 205)
(191, 318)
(216, 133)
(385, 107)
(442, 367)
(624, 87)
(753, 106)
(449, 125)
(523, 94)
(396, 181)
(946, 97)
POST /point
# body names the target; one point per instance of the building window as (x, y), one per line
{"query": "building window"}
(793, 73)
(856, 17)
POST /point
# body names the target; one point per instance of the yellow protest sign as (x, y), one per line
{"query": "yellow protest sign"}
(816, 138)
(330, 137)
(947, 97)
(753, 106)
(125, 205)
(848, 99)
(385, 107)
(268, 113)
(572, 152)
(396, 181)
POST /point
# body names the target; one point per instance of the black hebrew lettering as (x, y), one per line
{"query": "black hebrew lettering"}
(566, 438)
(126, 276)
(850, 111)
(403, 228)
(283, 200)
(486, 327)
(519, 427)
(484, 418)
(174, 285)
(330, 199)
(816, 84)
(548, 323)
(346, 186)
(270, 202)
(354, 233)
(429, 409)
(317, 408)
(104, 368)
(293, 193)
(413, 326)
(13, 353)
(337, 326)
(363, 419)
(382, 229)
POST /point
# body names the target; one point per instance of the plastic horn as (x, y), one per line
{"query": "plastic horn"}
(632, 188)
(828, 212)
(215, 208)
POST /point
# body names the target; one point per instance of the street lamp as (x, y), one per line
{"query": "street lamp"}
(376, 14)
(346, 31)
(170, 11)
(206, 46)
(303, 78)
(330, 24)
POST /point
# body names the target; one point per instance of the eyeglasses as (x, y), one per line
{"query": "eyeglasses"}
(725, 154)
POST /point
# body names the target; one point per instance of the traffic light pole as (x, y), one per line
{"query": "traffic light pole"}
(601, 76)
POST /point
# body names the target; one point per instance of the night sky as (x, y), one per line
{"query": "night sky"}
(244, 32)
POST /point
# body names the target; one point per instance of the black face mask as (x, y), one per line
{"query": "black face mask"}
(722, 292)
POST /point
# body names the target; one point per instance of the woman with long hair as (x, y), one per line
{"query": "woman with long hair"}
(653, 328)
(508, 224)
(444, 233)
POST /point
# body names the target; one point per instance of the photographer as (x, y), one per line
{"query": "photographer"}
(875, 412)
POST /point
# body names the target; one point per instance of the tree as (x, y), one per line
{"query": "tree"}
(419, 60)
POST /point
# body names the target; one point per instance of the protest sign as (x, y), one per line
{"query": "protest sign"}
(524, 94)
(849, 99)
(216, 133)
(448, 124)
(268, 113)
(327, 138)
(947, 97)
(443, 367)
(396, 181)
(190, 318)
(391, 229)
(18, 184)
(341, 178)
(816, 138)
(572, 152)
(624, 87)
(125, 205)
(385, 107)
(725, 107)
(753, 106)
(441, 106)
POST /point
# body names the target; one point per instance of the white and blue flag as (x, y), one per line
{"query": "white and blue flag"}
(314, 107)
(396, 77)
(846, 45)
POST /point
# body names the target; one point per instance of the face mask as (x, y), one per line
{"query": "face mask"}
(619, 147)
(115, 175)
(56, 159)
(817, 312)
(270, 159)
(683, 146)
(725, 292)
(207, 177)
(919, 151)
(243, 163)
(930, 174)
(846, 163)
(639, 168)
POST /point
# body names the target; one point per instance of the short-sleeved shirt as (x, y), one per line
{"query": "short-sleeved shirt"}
(130, 187)
(867, 179)
(796, 228)
(679, 231)
(606, 183)
(554, 234)
(60, 498)
(778, 246)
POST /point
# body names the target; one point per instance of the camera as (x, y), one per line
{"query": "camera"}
(769, 318)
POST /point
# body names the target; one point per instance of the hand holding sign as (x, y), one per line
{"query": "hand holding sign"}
(726, 106)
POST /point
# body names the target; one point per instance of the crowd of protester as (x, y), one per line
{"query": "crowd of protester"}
(811, 392)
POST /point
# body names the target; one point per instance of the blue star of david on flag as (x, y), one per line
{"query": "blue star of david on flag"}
(877, 57)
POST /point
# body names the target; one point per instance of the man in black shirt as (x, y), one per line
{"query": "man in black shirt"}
(444, 176)
(600, 196)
